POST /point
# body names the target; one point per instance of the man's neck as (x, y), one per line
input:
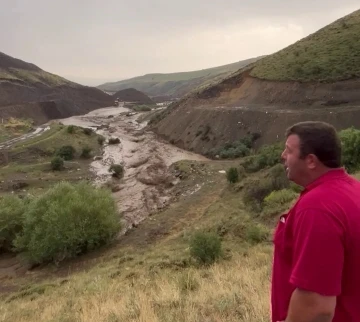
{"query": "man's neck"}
(318, 174)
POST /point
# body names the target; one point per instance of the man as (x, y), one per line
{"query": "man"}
(316, 269)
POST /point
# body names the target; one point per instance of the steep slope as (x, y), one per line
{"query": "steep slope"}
(133, 95)
(176, 84)
(327, 88)
(28, 91)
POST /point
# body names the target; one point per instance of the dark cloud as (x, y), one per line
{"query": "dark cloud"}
(120, 38)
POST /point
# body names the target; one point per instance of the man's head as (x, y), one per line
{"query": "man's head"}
(311, 149)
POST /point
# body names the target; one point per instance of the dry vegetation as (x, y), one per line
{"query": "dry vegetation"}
(149, 274)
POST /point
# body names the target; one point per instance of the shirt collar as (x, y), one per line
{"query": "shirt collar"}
(329, 175)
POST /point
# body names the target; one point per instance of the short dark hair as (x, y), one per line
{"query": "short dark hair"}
(320, 139)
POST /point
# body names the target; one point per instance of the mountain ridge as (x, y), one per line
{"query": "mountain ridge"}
(28, 91)
(176, 84)
(242, 103)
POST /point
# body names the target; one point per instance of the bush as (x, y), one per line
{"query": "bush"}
(117, 170)
(12, 210)
(257, 233)
(267, 156)
(67, 152)
(232, 175)
(142, 108)
(205, 247)
(88, 131)
(70, 129)
(114, 141)
(237, 149)
(66, 221)
(278, 177)
(278, 201)
(101, 140)
(86, 152)
(57, 163)
(255, 190)
(350, 140)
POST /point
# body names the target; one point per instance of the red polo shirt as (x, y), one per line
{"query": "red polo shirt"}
(317, 246)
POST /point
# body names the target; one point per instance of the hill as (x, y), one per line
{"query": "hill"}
(133, 95)
(317, 78)
(176, 84)
(28, 91)
(331, 54)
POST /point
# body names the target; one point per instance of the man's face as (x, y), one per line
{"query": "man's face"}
(296, 168)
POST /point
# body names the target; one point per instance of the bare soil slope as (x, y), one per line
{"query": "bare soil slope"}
(28, 91)
(243, 104)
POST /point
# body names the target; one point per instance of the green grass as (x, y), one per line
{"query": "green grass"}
(13, 128)
(174, 83)
(29, 161)
(331, 54)
(32, 77)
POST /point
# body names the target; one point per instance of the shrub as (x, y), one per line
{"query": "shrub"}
(101, 140)
(114, 141)
(142, 108)
(70, 129)
(256, 233)
(232, 175)
(88, 131)
(236, 149)
(12, 210)
(278, 177)
(66, 221)
(255, 190)
(267, 156)
(67, 152)
(350, 140)
(278, 201)
(205, 247)
(117, 170)
(57, 163)
(86, 152)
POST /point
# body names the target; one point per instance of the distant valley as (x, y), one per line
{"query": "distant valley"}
(176, 85)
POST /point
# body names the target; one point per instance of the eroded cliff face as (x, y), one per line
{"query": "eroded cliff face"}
(241, 105)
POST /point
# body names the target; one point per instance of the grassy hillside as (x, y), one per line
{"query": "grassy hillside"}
(151, 275)
(331, 54)
(176, 84)
(28, 162)
(12, 69)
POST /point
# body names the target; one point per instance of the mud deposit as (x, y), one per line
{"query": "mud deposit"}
(148, 182)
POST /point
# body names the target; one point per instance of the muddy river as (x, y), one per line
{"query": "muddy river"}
(147, 183)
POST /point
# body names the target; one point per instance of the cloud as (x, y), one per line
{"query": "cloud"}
(114, 39)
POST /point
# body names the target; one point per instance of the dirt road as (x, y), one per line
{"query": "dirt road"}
(38, 131)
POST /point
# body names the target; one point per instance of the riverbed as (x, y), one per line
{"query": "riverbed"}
(148, 182)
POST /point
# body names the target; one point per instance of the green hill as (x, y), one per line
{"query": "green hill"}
(12, 69)
(330, 54)
(176, 84)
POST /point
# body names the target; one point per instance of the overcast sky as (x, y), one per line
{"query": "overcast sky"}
(93, 41)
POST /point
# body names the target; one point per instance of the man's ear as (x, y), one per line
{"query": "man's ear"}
(312, 161)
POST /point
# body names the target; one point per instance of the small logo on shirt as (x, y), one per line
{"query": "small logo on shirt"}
(282, 219)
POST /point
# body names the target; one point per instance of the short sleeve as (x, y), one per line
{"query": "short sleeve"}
(318, 253)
